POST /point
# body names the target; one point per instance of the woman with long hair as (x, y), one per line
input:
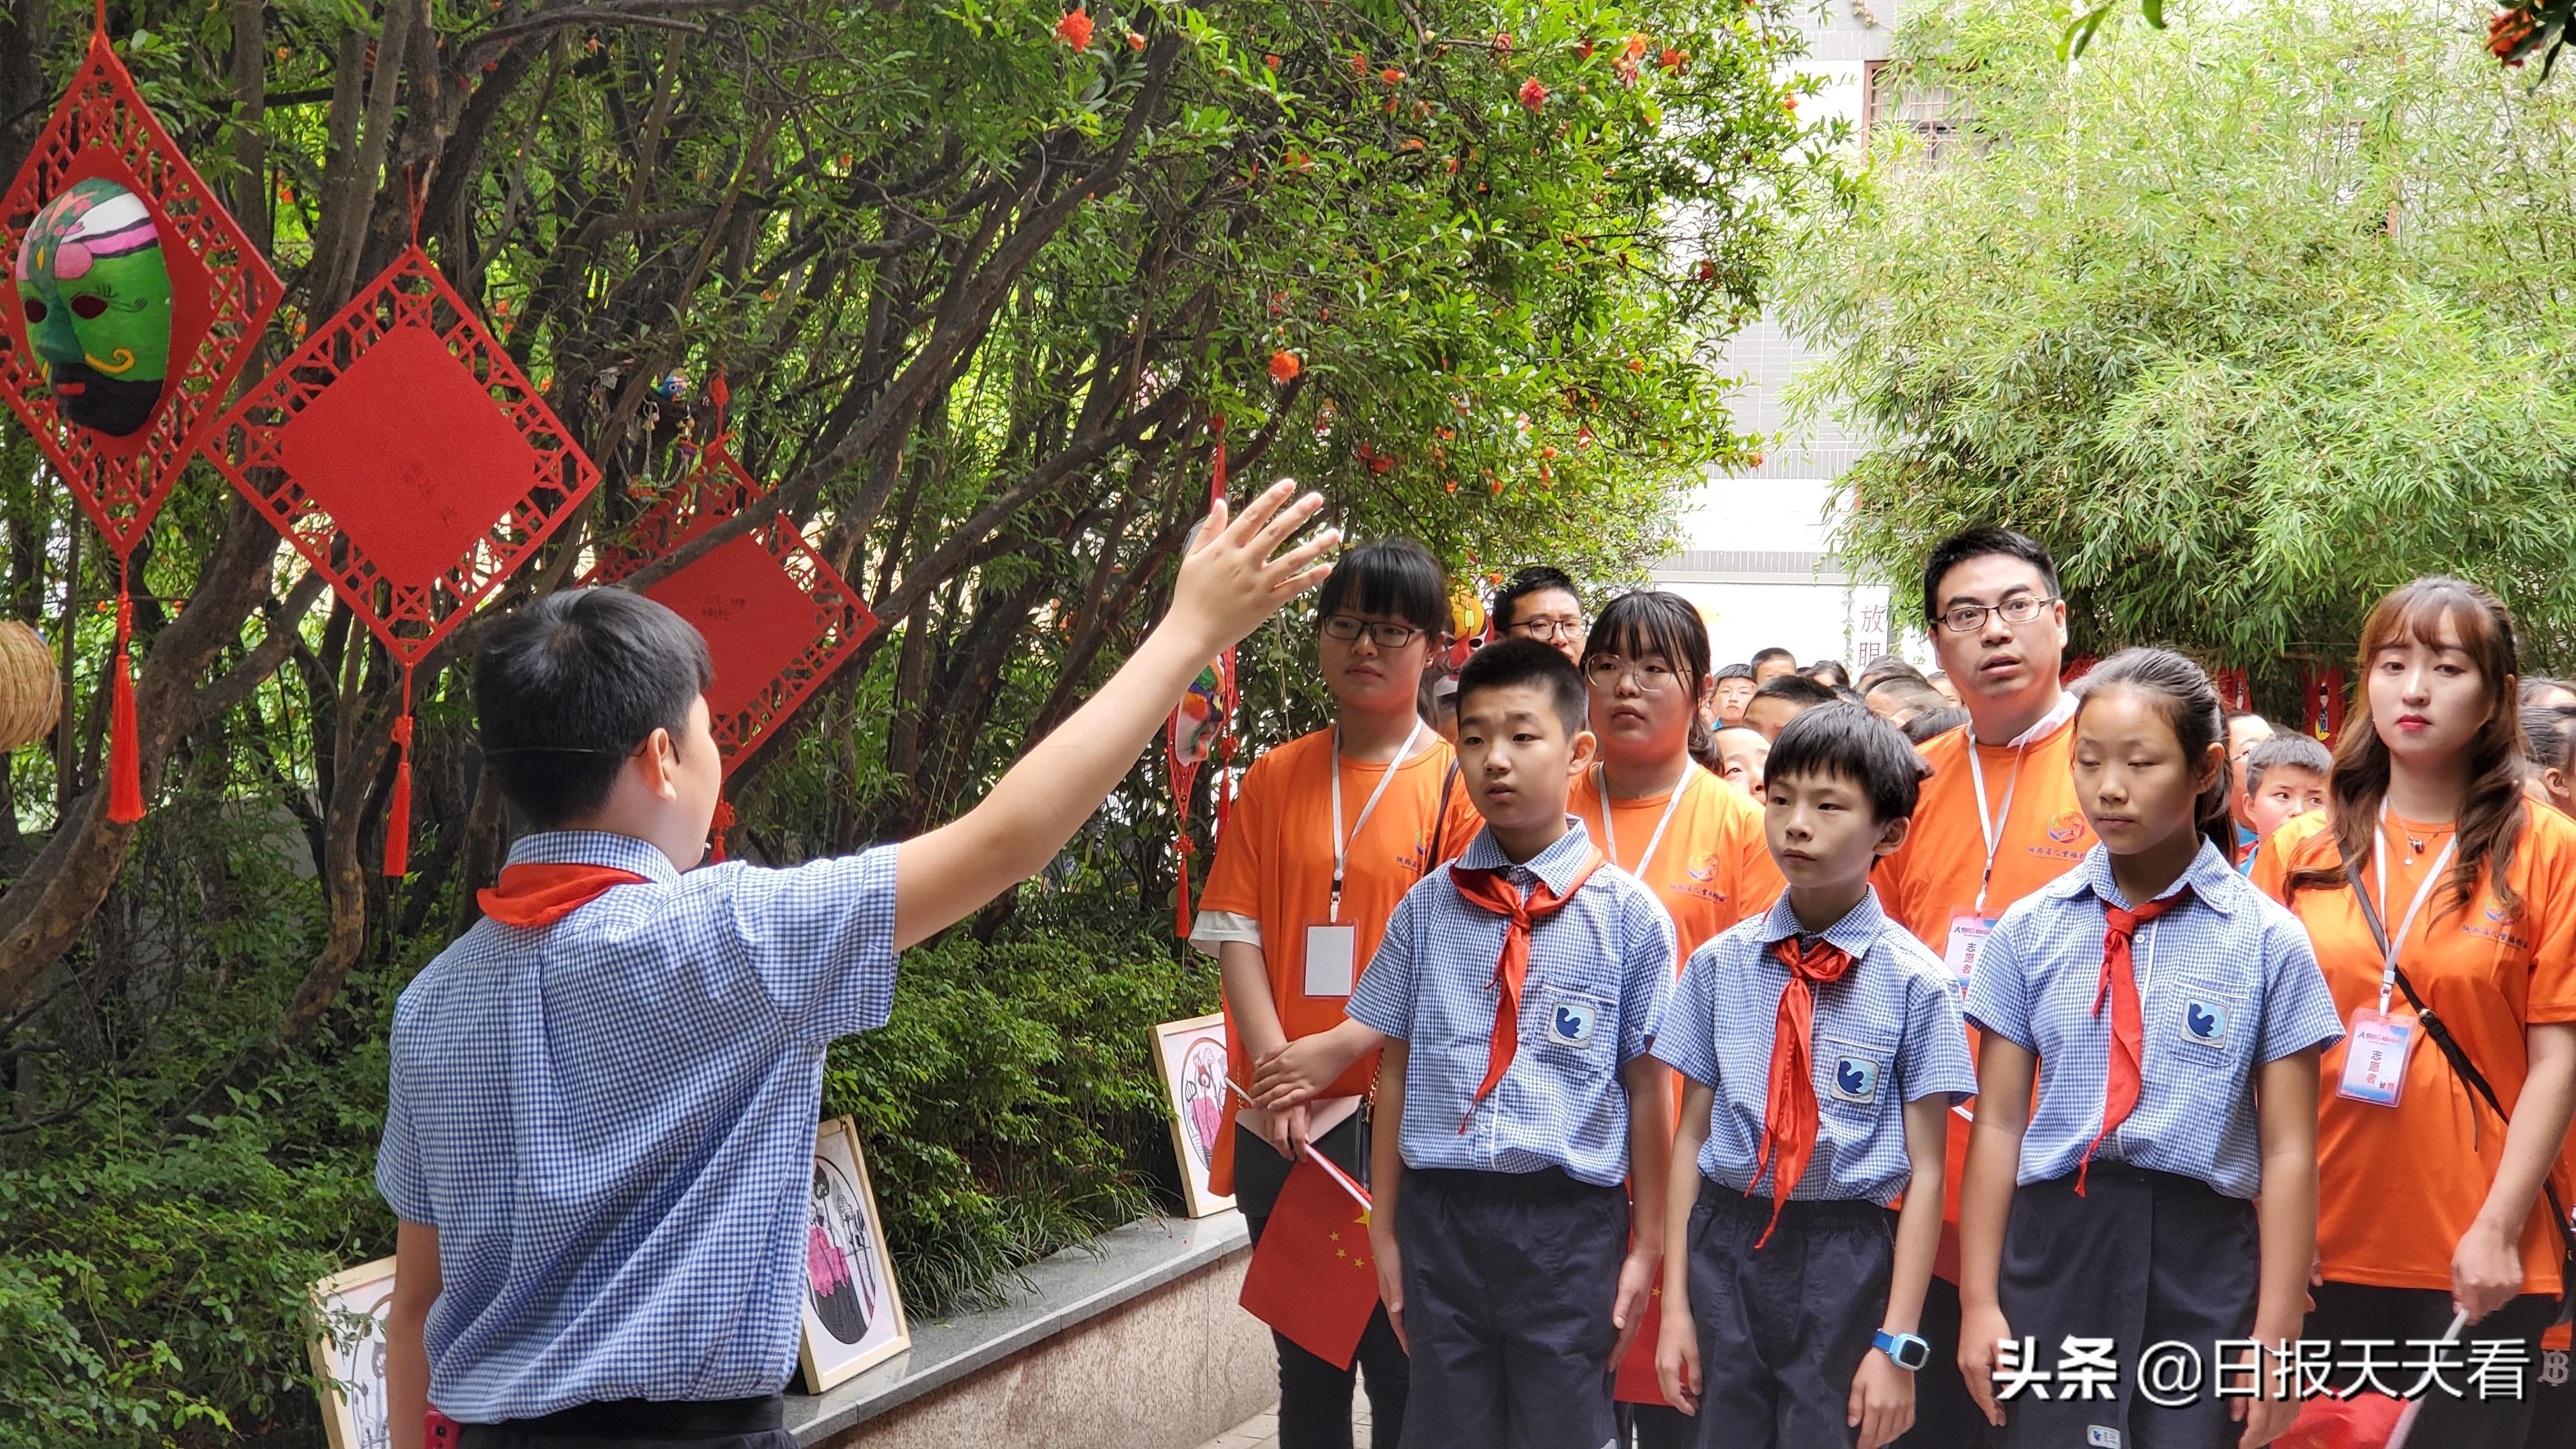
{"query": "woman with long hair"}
(1693, 838)
(2434, 891)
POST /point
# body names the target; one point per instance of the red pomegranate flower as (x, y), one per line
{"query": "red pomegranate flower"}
(1074, 29)
(1284, 366)
(1533, 95)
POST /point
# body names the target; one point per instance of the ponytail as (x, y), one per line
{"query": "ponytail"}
(2191, 706)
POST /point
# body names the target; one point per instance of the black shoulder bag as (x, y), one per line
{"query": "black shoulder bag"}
(2452, 1051)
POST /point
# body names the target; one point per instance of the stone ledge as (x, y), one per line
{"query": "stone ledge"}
(1063, 1292)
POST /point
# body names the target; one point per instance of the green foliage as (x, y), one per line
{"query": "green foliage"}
(2250, 320)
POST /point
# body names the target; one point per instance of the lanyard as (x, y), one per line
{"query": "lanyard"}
(1342, 842)
(2424, 892)
(1988, 823)
(1610, 832)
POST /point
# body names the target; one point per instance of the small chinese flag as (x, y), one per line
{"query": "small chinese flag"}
(2364, 1421)
(1637, 1383)
(1312, 1278)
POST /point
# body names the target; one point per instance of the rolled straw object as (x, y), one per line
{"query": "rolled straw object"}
(31, 692)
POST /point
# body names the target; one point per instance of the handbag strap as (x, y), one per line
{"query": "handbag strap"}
(2452, 1052)
(1440, 820)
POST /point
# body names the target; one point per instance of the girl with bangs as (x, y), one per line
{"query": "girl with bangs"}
(2438, 898)
(1693, 838)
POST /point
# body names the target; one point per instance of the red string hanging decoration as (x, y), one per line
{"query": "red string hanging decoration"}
(107, 203)
(1201, 727)
(2233, 691)
(2321, 694)
(405, 455)
(778, 618)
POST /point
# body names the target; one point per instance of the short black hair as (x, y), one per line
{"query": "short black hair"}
(1765, 656)
(1910, 690)
(1798, 689)
(1734, 671)
(2535, 685)
(1536, 579)
(1390, 576)
(1509, 662)
(1958, 548)
(2290, 750)
(1848, 742)
(1886, 667)
(1822, 667)
(1935, 722)
(568, 687)
(2545, 734)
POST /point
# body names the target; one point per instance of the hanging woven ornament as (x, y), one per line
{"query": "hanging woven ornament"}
(31, 688)
(778, 618)
(138, 301)
(404, 454)
(1201, 727)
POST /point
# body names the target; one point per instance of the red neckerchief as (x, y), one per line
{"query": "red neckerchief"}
(2128, 1018)
(1789, 1123)
(534, 895)
(1492, 890)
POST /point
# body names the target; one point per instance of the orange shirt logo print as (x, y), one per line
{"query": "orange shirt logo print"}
(2497, 927)
(1702, 885)
(2066, 832)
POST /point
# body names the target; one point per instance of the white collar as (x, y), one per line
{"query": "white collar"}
(2040, 729)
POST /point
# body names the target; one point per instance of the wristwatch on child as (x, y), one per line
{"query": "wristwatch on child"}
(1907, 1351)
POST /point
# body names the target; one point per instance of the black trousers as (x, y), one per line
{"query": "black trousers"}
(1509, 1283)
(2354, 1310)
(2142, 1258)
(1314, 1393)
(1783, 1327)
(643, 1424)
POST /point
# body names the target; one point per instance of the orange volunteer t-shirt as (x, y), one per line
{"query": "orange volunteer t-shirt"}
(1274, 863)
(1711, 869)
(2397, 1186)
(1934, 874)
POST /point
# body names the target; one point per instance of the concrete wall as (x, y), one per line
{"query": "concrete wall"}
(1169, 1370)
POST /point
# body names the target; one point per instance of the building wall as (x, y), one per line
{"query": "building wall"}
(1754, 554)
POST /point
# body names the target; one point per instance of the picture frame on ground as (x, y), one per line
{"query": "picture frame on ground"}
(1191, 1056)
(356, 1413)
(853, 1312)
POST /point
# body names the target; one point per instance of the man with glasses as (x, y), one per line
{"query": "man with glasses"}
(1996, 820)
(1540, 603)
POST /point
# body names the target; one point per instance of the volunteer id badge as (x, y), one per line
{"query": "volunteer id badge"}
(1968, 933)
(2374, 1062)
(1329, 953)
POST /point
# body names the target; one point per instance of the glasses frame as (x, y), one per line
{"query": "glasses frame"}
(2039, 606)
(1628, 669)
(1547, 631)
(1373, 628)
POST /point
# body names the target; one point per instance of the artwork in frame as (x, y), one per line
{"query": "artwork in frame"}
(350, 1355)
(853, 1312)
(1191, 1056)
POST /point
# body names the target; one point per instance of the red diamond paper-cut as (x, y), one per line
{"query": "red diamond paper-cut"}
(406, 457)
(222, 295)
(778, 618)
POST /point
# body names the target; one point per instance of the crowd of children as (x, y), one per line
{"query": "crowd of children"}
(1737, 1057)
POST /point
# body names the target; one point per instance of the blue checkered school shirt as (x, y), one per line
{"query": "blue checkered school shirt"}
(610, 1121)
(2226, 983)
(1598, 968)
(1886, 1034)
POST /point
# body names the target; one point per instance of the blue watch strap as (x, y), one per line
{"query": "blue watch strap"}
(1907, 1351)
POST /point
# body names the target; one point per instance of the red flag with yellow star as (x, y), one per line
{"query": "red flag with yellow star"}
(1312, 1278)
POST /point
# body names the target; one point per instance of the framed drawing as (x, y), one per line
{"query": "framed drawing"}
(853, 1313)
(350, 1356)
(1191, 1056)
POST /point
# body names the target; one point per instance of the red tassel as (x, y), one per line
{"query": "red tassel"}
(724, 822)
(1181, 898)
(124, 749)
(398, 807)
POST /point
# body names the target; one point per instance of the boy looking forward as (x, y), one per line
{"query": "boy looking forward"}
(1821, 1048)
(1515, 986)
(600, 1137)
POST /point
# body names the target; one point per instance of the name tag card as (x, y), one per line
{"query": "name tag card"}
(2374, 1062)
(1968, 933)
(1330, 955)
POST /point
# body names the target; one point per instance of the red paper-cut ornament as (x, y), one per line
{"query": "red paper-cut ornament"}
(404, 454)
(1201, 729)
(222, 294)
(777, 617)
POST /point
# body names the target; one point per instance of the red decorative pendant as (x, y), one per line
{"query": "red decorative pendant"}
(778, 618)
(405, 456)
(118, 438)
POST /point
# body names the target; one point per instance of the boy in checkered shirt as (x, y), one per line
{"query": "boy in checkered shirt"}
(1821, 1048)
(600, 1135)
